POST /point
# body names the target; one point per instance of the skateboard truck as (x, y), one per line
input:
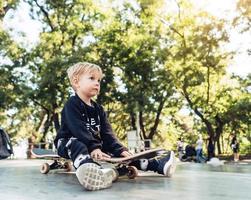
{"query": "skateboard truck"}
(130, 171)
(46, 167)
(58, 162)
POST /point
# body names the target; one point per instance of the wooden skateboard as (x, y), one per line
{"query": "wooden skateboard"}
(122, 164)
(58, 162)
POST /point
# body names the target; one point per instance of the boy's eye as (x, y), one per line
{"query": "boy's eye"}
(93, 78)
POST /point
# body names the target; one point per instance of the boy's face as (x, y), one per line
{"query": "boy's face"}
(88, 84)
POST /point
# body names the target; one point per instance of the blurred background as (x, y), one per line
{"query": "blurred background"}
(173, 68)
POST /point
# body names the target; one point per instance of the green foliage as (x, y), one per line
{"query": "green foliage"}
(243, 19)
(156, 64)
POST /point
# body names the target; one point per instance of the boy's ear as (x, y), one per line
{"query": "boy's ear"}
(75, 81)
(75, 84)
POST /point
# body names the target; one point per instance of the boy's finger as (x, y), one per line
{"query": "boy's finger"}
(97, 156)
(106, 155)
(128, 153)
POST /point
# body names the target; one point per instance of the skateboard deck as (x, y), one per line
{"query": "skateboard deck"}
(122, 164)
(141, 155)
(44, 153)
(48, 154)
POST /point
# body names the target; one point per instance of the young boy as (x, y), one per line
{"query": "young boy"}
(86, 134)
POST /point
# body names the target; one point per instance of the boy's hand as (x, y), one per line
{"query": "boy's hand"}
(125, 154)
(98, 154)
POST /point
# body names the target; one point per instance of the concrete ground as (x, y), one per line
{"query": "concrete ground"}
(21, 180)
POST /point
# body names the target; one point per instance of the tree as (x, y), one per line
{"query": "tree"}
(66, 24)
(155, 62)
(147, 85)
(198, 64)
(5, 6)
(13, 79)
(243, 19)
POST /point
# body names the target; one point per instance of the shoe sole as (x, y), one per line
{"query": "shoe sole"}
(115, 175)
(172, 167)
(92, 177)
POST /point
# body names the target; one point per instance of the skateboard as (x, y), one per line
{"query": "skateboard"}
(58, 162)
(122, 164)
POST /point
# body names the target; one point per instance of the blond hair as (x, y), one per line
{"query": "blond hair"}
(80, 68)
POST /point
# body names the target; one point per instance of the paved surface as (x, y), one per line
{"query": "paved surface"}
(21, 180)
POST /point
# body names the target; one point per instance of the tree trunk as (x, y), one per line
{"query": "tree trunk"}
(153, 130)
(46, 127)
(133, 121)
(40, 126)
(141, 124)
(208, 83)
(218, 132)
(56, 121)
(222, 144)
(208, 124)
(218, 146)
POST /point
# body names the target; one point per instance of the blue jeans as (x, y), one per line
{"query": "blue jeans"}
(199, 156)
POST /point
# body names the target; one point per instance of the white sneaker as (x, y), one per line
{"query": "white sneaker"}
(92, 177)
(167, 165)
(172, 167)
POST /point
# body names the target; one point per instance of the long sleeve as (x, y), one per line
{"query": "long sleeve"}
(75, 122)
(110, 142)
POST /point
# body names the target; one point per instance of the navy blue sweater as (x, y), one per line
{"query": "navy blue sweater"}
(89, 124)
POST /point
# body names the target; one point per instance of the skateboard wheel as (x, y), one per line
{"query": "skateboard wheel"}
(67, 166)
(132, 172)
(116, 175)
(45, 168)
